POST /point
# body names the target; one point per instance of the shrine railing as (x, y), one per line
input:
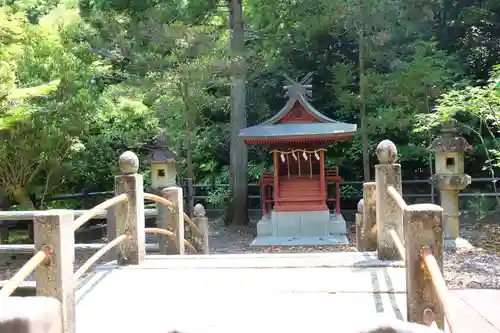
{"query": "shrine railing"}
(55, 243)
(331, 172)
(413, 233)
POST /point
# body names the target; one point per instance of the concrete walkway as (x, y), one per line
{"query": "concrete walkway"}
(320, 292)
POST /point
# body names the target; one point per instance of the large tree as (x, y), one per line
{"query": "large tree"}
(238, 180)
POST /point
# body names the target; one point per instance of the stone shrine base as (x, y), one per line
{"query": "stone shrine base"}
(457, 244)
(318, 228)
(264, 241)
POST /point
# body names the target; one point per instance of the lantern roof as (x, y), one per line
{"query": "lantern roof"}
(160, 153)
(450, 141)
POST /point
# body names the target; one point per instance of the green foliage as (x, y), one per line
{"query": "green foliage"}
(476, 109)
(31, 9)
(81, 81)
(38, 124)
(480, 102)
(122, 123)
(218, 196)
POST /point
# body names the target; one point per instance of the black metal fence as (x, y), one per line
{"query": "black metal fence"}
(480, 194)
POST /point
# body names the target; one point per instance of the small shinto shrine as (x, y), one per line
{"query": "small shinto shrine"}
(294, 197)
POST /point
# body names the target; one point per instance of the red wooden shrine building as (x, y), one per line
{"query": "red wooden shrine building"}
(297, 136)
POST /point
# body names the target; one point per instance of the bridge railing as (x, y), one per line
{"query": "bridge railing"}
(53, 262)
(413, 233)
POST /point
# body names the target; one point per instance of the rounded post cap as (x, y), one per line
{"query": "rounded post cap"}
(387, 153)
(199, 210)
(361, 206)
(129, 162)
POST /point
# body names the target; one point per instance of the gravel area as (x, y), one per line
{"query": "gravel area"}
(9, 265)
(477, 268)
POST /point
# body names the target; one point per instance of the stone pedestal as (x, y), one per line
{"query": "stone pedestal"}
(449, 202)
(301, 229)
(389, 215)
(449, 186)
(451, 222)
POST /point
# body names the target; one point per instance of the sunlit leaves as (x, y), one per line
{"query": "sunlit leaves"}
(45, 101)
(481, 102)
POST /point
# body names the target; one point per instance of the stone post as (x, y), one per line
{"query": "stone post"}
(388, 214)
(450, 179)
(369, 216)
(162, 223)
(359, 226)
(30, 315)
(111, 232)
(175, 219)
(423, 228)
(130, 214)
(54, 233)
(201, 221)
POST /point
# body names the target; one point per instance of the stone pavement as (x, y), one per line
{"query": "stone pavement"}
(320, 292)
(478, 310)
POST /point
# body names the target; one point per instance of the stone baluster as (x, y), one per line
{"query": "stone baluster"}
(369, 217)
(129, 214)
(162, 215)
(359, 226)
(53, 231)
(201, 221)
(112, 254)
(174, 220)
(423, 228)
(388, 214)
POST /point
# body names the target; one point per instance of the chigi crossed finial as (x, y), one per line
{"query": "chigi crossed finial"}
(302, 88)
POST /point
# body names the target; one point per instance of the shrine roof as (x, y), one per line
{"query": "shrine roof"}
(321, 127)
(300, 99)
(298, 120)
(273, 132)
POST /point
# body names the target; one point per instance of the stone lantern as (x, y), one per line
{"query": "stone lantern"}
(163, 165)
(450, 179)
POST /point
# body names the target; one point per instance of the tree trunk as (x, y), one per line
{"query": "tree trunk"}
(21, 196)
(238, 190)
(362, 91)
(190, 170)
(184, 90)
